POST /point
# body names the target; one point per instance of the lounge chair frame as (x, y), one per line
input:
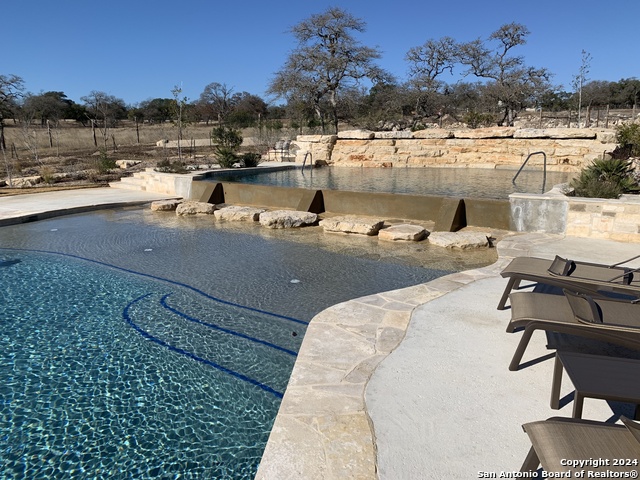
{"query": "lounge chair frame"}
(558, 439)
(591, 278)
(539, 311)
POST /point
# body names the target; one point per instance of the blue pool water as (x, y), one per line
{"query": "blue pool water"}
(108, 375)
(142, 345)
(462, 182)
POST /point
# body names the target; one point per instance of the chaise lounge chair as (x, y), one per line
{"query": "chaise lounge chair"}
(557, 440)
(605, 320)
(585, 277)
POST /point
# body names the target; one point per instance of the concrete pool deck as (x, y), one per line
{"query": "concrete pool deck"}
(406, 384)
(414, 383)
(38, 206)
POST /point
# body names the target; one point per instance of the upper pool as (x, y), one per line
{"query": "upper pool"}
(460, 182)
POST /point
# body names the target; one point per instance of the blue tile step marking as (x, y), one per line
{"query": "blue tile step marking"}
(186, 353)
(163, 302)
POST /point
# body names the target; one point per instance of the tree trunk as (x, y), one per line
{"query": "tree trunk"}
(504, 117)
(540, 123)
(316, 107)
(3, 144)
(334, 110)
(7, 165)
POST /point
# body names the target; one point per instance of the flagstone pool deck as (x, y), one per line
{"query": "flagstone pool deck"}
(406, 384)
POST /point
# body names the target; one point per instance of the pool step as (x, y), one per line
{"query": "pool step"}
(137, 182)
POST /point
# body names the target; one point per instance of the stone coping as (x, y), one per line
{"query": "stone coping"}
(605, 134)
(323, 430)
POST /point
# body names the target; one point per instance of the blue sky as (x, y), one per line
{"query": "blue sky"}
(138, 50)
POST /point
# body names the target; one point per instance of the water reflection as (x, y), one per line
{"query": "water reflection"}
(463, 182)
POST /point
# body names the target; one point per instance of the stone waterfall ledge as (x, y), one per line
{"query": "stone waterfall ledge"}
(322, 430)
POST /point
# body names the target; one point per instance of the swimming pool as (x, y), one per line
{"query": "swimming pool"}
(461, 182)
(138, 344)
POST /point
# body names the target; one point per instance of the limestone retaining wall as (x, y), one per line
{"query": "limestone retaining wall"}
(566, 149)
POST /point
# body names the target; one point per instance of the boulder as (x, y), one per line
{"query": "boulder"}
(195, 208)
(127, 163)
(490, 132)
(433, 133)
(23, 182)
(571, 133)
(165, 205)
(531, 133)
(356, 135)
(352, 224)
(395, 134)
(606, 136)
(287, 219)
(330, 139)
(235, 213)
(462, 240)
(406, 232)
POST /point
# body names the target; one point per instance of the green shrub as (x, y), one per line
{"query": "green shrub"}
(167, 166)
(47, 175)
(105, 163)
(251, 159)
(276, 125)
(606, 179)
(225, 157)
(227, 141)
(629, 135)
(228, 137)
(475, 119)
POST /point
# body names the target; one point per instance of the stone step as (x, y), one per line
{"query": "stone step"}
(352, 224)
(129, 183)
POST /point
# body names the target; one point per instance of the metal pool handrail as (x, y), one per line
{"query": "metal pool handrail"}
(308, 154)
(544, 172)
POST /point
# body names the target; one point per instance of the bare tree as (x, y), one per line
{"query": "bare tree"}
(510, 83)
(179, 106)
(104, 111)
(327, 59)
(580, 79)
(216, 101)
(426, 64)
(11, 88)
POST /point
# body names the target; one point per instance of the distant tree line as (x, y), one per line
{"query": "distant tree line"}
(330, 77)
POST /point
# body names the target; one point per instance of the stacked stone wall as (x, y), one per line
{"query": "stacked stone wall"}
(610, 219)
(553, 212)
(566, 149)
